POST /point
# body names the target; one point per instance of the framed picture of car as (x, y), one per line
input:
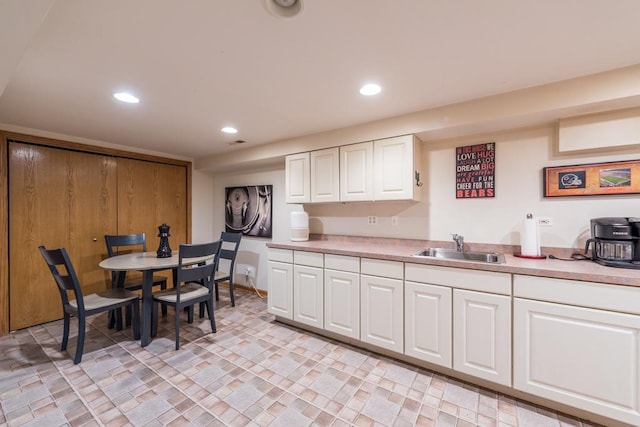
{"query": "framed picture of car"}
(592, 179)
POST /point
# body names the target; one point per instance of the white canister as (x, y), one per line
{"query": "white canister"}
(299, 226)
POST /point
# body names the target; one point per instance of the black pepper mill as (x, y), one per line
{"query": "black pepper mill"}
(164, 251)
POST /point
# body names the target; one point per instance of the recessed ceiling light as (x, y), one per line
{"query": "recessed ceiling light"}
(370, 89)
(229, 129)
(283, 8)
(126, 97)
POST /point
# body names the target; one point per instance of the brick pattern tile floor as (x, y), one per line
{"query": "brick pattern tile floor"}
(252, 372)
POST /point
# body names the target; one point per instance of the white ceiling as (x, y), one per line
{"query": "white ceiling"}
(199, 65)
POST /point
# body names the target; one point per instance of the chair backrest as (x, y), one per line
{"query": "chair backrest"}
(229, 248)
(116, 242)
(201, 271)
(64, 274)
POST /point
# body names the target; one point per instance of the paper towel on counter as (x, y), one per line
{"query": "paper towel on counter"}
(530, 237)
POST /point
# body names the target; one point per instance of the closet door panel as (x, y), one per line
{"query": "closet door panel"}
(38, 215)
(150, 194)
(93, 210)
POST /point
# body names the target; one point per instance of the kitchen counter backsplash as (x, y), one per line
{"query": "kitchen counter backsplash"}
(403, 249)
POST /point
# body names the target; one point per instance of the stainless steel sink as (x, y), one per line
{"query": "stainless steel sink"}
(477, 256)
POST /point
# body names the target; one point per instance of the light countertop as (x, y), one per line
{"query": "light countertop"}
(402, 249)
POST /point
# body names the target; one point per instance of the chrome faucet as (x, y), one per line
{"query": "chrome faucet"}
(459, 242)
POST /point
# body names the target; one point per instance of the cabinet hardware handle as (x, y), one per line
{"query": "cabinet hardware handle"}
(95, 239)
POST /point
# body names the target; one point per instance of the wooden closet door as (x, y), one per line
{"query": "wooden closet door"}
(93, 210)
(38, 215)
(150, 194)
(57, 198)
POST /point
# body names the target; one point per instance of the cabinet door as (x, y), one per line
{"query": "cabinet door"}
(308, 295)
(582, 357)
(356, 177)
(342, 303)
(280, 294)
(393, 163)
(428, 322)
(381, 316)
(297, 178)
(482, 335)
(325, 175)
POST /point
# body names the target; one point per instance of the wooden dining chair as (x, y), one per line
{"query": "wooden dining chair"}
(127, 243)
(83, 306)
(194, 284)
(228, 254)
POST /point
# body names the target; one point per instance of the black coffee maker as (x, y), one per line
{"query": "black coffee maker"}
(616, 242)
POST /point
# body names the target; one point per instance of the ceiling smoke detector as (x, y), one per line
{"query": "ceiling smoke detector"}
(283, 8)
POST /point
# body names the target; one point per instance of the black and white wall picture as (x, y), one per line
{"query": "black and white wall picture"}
(248, 210)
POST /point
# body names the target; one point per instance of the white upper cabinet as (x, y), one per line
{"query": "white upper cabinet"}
(325, 175)
(395, 164)
(385, 169)
(298, 178)
(356, 172)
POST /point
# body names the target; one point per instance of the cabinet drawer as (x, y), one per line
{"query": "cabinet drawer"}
(282, 255)
(574, 292)
(312, 259)
(382, 268)
(475, 280)
(342, 263)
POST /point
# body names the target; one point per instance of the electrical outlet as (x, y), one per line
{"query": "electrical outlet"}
(545, 221)
(372, 220)
(394, 220)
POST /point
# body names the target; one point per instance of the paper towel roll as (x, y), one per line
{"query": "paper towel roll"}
(530, 237)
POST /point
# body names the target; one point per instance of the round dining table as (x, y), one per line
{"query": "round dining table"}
(147, 263)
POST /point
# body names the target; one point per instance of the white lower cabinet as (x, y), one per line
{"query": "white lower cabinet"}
(308, 288)
(308, 295)
(381, 304)
(585, 357)
(427, 328)
(482, 335)
(280, 283)
(576, 343)
(342, 295)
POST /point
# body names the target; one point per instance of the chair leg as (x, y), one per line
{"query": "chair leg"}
(233, 298)
(190, 310)
(201, 311)
(127, 312)
(217, 294)
(65, 332)
(163, 286)
(178, 329)
(135, 306)
(212, 318)
(118, 312)
(154, 319)
(80, 344)
(112, 319)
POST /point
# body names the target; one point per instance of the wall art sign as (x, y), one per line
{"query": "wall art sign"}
(592, 179)
(475, 171)
(249, 210)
